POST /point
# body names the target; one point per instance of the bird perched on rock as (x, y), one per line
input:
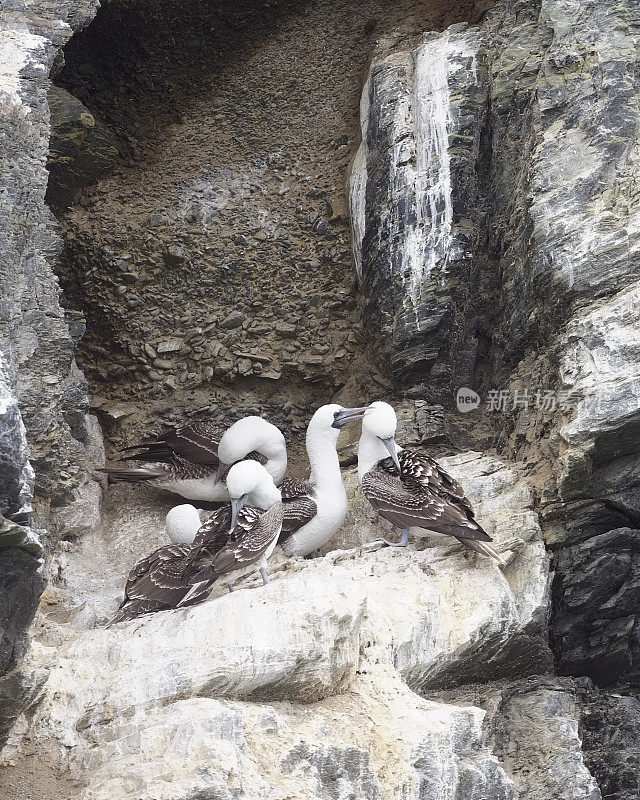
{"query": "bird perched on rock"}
(192, 459)
(410, 489)
(235, 540)
(315, 509)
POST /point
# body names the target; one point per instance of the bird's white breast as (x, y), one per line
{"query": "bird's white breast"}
(195, 488)
(332, 509)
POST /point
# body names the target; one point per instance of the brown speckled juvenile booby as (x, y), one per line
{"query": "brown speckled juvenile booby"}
(410, 489)
(192, 459)
(235, 540)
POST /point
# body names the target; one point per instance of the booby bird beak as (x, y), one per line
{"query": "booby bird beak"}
(390, 444)
(221, 473)
(348, 415)
(236, 504)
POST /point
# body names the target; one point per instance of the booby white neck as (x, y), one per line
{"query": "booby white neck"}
(255, 433)
(323, 456)
(371, 449)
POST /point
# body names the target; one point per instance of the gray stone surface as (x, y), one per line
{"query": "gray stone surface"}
(21, 546)
(413, 189)
(80, 148)
(35, 337)
(539, 745)
(610, 731)
(43, 398)
(596, 598)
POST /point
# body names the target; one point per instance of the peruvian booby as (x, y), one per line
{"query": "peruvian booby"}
(235, 540)
(315, 509)
(182, 524)
(412, 490)
(192, 459)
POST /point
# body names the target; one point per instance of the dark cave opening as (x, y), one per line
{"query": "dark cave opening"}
(212, 260)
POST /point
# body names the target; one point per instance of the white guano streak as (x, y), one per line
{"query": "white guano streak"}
(357, 181)
(16, 48)
(428, 241)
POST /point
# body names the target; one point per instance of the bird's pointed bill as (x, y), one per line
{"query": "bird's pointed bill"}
(221, 473)
(237, 504)
(390, 444)
(348, 415)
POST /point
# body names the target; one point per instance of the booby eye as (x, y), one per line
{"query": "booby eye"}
(336, 414)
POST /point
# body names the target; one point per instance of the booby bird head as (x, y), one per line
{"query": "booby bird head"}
(249, 480)
(253, 433)
(380, 420)
(327, 421)
(182, 524)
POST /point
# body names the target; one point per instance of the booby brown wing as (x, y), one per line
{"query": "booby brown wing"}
(251, 544)
(175, 468)
(212, 536)
(170, 552)
(154, 583)
(424, 495)
(299, 506)
(196, 442)
(182, 575)
(163, 579)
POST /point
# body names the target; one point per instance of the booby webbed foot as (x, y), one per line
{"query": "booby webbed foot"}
(404, 541)
(313, 554)
(265, 577)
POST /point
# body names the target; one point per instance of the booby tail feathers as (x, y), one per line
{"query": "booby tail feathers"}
(132, 474)
(483, 548)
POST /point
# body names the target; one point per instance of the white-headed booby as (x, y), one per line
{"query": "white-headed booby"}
(235, 540)
(187, 459)
(412, 490)
(182, 524)
(315, 509)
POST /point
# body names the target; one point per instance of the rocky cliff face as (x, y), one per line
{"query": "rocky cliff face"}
(551, 180)
(491, 169)
(43, 395)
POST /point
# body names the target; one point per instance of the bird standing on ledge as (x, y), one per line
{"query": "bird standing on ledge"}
(411, 490)
(315, 509)
(192, 459)
(235, 540)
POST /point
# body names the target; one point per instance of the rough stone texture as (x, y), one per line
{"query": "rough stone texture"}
(610, 729)
(537, 732)
(340, 645)
(21, 547)
(597, 597)
(413, 183)
(536, 727)
(361, 745)
(226, 228)
(37, 342)
(43, 394)
(214, 267)
(80, 148)
(553, 180)
(581, 234)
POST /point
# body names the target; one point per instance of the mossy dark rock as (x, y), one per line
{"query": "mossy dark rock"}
(80, 148)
